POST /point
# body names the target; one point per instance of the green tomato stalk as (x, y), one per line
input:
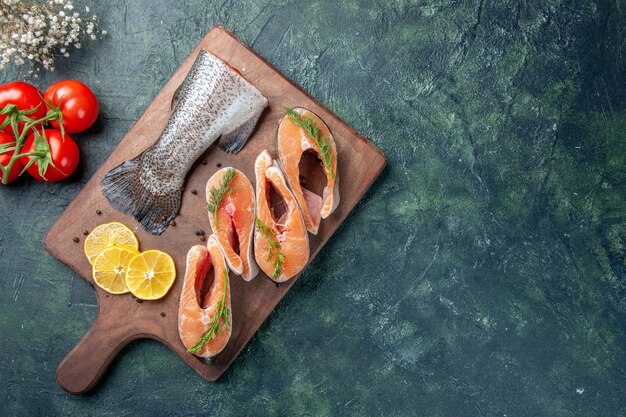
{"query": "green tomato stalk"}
(42, 149)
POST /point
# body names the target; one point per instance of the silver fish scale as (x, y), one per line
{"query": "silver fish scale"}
(213, 100)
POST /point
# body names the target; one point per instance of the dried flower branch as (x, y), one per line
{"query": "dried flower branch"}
(39, 32)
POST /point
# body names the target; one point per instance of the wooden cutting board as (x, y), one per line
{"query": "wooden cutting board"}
(121, 318)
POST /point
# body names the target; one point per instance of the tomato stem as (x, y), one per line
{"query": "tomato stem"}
(15, 116)
(38, 154)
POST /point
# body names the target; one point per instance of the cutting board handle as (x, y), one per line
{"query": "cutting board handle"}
(84, 365)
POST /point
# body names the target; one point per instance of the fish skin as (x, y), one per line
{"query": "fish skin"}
(213, 101)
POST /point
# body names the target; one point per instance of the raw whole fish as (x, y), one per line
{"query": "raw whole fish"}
(214, 101)
(293, 142)
(281, 242)
(235, 219)
(198, 313)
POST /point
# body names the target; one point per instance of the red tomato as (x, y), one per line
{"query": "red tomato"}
(5, 158)
(63, 152)
(78, 105)
(25, 97)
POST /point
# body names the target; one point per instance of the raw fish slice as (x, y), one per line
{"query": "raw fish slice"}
(235, 222)
(313, 203)
(289, 230)
(293, 142)
(197, 313)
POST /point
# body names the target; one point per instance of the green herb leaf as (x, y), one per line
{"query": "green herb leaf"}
(217, 195)
(219, 322)
(314, 133)
(274, 252)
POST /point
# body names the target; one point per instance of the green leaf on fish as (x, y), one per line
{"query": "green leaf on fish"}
(314, 133)
(274, 252)
(222, 315)
(216, 195)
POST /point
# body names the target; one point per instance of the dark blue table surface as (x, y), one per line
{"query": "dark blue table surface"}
(484, 274)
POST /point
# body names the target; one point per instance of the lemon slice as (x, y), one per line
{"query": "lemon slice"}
(109, 268)
(106, 236)
(150, 275)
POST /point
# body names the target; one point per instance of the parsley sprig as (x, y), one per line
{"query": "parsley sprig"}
(274, 252)
(217, 194)
(312, 131)
(222, 315)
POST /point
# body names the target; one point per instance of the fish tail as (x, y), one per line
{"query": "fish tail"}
(123, 188)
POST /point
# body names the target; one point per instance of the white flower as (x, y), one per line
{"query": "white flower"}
(39, 31)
